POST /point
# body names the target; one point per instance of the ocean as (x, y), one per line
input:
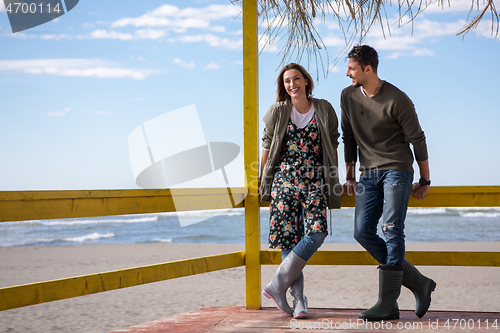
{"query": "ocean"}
(474, 224)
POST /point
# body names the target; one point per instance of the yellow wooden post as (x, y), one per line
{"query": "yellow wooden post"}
(251, 122)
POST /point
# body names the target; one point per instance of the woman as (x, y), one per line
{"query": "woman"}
(299, 177)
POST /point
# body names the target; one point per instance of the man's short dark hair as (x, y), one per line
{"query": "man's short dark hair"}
(364, 55)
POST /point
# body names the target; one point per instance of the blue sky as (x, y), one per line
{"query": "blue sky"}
(72, 90)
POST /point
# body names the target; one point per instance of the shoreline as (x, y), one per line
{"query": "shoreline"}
(352, 287)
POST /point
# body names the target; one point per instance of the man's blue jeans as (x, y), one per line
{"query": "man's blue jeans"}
(383, 193)
(307, 246)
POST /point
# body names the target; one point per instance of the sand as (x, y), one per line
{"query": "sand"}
(353, 287)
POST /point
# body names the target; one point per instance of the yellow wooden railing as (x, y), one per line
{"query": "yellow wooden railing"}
(30, 205)
(37, 205)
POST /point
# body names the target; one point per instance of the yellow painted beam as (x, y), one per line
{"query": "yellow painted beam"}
(251, 150)
(460, 196)
(421, 258)
(447, 196)
(41, 292)
(38, 205)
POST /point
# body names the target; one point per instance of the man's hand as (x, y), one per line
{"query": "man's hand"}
(350, 187)
(419, 192)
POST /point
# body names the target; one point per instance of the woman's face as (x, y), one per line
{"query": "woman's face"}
(295, 83)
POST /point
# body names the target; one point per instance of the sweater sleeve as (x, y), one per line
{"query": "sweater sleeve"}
(350, 145)
(270, 123)
(408, 120)
(333, 125)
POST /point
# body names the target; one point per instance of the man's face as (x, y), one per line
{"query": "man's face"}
(354, 71)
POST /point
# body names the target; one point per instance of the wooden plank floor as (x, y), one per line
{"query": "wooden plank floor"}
(239, 319)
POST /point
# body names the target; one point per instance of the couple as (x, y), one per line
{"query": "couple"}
(299, 177)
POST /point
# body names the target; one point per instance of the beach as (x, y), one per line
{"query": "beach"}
(352, 287)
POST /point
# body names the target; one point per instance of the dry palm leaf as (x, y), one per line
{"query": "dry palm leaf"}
(295, 20)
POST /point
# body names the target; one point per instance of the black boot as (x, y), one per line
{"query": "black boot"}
(389, 278)
(420, 285)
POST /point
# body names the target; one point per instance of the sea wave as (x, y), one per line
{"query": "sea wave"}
(426, 211)
(90, 237)
(474, 208)
(160, 240)
(209, 212)
(84, 221)
(480, 214)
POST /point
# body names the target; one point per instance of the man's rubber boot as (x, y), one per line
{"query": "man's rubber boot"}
(421, 287)
(299, 299)
(389, 279)
(282, 279)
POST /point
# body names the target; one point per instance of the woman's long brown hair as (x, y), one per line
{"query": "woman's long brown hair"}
(281, 94)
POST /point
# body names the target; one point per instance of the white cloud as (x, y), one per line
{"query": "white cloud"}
(408, 41)
(173, 17)
(212, 65)
(87, 25)
(110, 34)
(211, 40)
(150, 34)
(2, 6)
(139, 58)
(104, 34)
(451, 6)
(190, 64)
(332, 40)
(59, 113)
(334, 68)
(99, 113)
(56, 37)
(73, 68)
(266, 44)
(484, 29)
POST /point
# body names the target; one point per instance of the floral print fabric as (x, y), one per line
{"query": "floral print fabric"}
(297, 190)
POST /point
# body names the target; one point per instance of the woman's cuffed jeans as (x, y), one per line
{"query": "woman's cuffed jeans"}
(383, 193)
(307, 246)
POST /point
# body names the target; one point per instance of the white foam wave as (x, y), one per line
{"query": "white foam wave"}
(168, 240)
(480, 214)
(99, 221)
(209, 212)
(426, 211)
(474, 208)
(89, 237)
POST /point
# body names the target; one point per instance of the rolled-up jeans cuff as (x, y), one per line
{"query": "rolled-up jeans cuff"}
(309, 245)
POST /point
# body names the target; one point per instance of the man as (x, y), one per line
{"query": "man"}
(380, 121)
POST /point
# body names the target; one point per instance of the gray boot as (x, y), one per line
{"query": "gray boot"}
(389, 278)
(421, 287)
(282, 279)
(299, 299)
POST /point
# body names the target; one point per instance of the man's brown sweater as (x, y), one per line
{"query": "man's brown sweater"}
(381, 127)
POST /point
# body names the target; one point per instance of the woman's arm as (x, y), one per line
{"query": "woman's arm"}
(265, 155)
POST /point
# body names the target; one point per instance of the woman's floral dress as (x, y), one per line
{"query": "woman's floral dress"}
(297, 190)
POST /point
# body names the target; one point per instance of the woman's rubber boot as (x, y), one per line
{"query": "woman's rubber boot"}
(299, 299)
(282, 279)
(389, 278)
(421, 287)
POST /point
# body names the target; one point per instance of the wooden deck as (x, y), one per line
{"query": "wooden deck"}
(239, 319)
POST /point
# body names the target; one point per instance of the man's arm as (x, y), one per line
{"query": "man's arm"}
(351, 184)
(350, 150)
(420, 192)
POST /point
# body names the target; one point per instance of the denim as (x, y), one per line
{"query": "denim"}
(307, 246)
(383, 193)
